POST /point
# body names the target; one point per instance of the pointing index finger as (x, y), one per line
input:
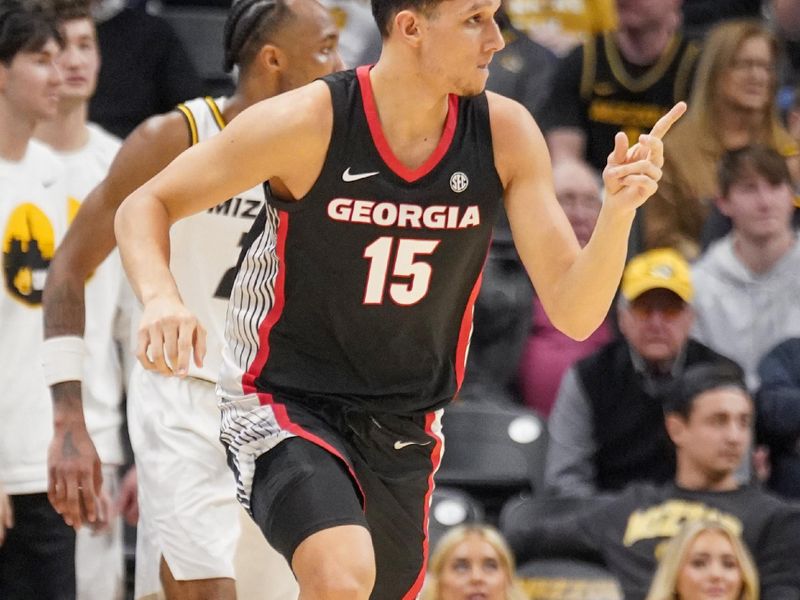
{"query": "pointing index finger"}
(663, 125)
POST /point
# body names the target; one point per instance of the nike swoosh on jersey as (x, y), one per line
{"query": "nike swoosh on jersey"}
(398, 445)
(348, 176)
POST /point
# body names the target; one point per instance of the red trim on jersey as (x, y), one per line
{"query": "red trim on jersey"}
(249, 378)
(279, 410)
(465, 333)
(436, 459)
(374, 122)
(272, 316)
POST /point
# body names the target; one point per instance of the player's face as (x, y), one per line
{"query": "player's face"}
(460, 39)
(310, 44)
(31, 83)
(79, 60)
(760, 211)
(710, 570)
(716, 435)
(656, 324)
(578, 194)
(473, 570)
(748, 82)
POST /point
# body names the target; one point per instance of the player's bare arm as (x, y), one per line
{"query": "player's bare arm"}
(576, 286)
(72, 460)
(6, 514)
(283, 139)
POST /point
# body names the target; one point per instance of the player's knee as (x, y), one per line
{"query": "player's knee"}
(342, 570)
(351, 584)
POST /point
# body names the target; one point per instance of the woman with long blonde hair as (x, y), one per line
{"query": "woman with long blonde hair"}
(732, 105)
(707, 559)
(471, 560)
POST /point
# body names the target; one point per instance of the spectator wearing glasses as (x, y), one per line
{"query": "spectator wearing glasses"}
(607, 426)
(732, 105)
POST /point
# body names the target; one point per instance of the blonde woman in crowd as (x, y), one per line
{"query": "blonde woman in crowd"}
(472, 560)
(732, 105)
(707, 559)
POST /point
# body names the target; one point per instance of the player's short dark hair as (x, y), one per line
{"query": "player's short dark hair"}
(763, 160)
(700, 378)
(250, 25)
(24, 27)
(383, 11)
(67, 10)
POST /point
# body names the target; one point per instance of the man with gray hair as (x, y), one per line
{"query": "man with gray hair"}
(607, 426)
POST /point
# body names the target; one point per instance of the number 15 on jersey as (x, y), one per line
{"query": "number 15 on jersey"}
(405, 265)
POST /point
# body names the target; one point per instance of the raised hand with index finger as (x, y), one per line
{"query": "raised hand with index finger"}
(632, 173)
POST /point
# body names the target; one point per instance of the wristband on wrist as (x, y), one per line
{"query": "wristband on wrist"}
(62, 359)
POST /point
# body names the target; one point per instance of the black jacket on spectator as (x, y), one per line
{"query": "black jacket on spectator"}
(627, 530)
(628, 416)
(778, 415)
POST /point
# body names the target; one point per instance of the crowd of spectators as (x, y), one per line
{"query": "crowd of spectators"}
(685, 404)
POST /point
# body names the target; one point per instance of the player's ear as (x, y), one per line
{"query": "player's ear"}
(408, 24)
(270, 57)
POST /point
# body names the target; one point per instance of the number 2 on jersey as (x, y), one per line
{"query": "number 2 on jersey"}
(379, 254)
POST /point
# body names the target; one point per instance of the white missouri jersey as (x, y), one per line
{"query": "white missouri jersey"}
(32, 220)
(102, 373)
(205, 246)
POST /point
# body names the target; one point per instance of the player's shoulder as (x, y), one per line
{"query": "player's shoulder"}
(509, 116)
(168, 131)
(513, 127)
(299, 114)
(303, 102)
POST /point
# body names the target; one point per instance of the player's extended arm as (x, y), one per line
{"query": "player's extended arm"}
(284, 137)
(73, 465)
(576, 286)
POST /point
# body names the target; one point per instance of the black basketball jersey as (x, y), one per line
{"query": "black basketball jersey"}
(362, 291)
(617, 100)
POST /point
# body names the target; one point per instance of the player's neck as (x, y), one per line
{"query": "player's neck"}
(645, 46)
(395, 88)
(67, 132)
(251, 88)
(15, 133)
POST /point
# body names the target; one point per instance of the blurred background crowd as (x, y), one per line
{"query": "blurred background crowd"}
(568, 463)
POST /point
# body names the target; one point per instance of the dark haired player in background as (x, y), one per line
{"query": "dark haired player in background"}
(189, 523)
(37, 555)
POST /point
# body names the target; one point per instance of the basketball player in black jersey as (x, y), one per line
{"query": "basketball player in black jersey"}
(350, 318)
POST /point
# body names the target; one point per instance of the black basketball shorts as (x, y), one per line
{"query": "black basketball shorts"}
(345, 467)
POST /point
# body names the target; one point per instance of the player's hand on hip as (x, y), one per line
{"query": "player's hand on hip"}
(169, 336)
(75, 478)
(632, 173)
(6, 515)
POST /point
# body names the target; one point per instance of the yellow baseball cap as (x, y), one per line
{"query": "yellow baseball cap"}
(663, 268)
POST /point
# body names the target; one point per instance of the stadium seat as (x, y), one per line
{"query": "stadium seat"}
(492, 451)
(451, 507)
(576, 577)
